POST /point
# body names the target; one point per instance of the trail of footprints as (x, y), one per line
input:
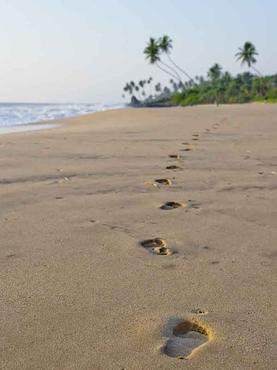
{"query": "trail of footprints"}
(189, 335)
(157, 245)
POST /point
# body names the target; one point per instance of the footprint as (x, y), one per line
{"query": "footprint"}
(11, 255)
(174, 156)
(195, 135)
(186, 150)
(157, 246)
(186, 338)
(164, 181)
(195, 138)
(214, 262)
(199, 311)
(172, 205)
(173, 167)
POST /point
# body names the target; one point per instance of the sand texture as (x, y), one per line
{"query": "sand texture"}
(140, 240)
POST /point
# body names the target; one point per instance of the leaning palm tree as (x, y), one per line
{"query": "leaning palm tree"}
(152, 53)
(165, 45)
(247, 55)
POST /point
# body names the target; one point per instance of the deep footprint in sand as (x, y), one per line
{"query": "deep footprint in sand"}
(157, 246)
(186, 150)
(172, 205)
(185, 339)
(163, 181)
(173, 167)
(174, 156)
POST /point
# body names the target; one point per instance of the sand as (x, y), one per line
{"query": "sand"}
(78, 289)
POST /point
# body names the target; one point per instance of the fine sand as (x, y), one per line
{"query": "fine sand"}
(102, 268)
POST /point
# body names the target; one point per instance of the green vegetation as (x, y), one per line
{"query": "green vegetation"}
(218, 87)
(221, 88)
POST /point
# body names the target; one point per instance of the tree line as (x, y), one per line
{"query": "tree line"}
(217, 87)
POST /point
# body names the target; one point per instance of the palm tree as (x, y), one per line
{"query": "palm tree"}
(149, 82)
(214, 72)
(128, 88)
(158, 87)
(152, 53)
(165, 45)
(247, 55)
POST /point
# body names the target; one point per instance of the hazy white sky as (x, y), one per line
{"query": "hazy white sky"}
(85, 50)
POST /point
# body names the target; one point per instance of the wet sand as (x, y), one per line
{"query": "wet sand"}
(82, 287)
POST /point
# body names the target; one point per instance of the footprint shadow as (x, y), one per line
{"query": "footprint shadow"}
(167, 182)
(172, 205)
(186, 150)
(173, 167)
(174, 156)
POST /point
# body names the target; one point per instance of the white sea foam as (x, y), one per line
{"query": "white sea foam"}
(14, 114)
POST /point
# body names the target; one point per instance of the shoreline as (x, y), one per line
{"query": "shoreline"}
(47, 123)
(82, 289)
(28, 127)
(59, 122)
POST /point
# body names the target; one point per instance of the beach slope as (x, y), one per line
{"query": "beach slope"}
(81, 285)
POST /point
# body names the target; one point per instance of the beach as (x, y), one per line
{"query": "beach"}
(79, 289)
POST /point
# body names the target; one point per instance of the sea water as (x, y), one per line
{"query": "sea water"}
(15, 116)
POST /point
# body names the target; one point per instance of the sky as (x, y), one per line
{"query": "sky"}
(86, 50)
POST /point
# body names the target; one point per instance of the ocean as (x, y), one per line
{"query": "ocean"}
(15, 116)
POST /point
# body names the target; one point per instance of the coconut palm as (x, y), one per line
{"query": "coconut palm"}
(165, 45)
(247, 55)
(214, 72)
(158, 87)
(149, 82)
(152, 53)
(128, 88)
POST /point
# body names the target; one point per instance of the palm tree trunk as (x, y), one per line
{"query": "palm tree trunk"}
(257, 71)
(173, 70)
(165, 71)
(179, 68)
